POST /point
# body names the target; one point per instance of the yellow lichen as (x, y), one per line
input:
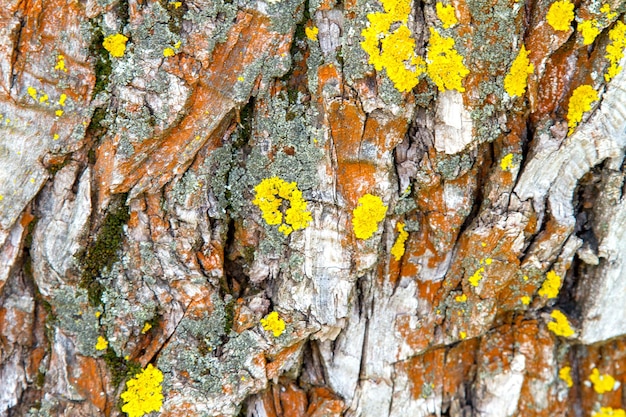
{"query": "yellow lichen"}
(565, 374)
(168, 52)
(507, 162)
(146, 327)
(102, 343)
(551, 285)
(311, 33)
(97, 313)
(462, 335)
(178, 44)
(579, 103)
(525, 300)
(44, 98)
(445, 65)
(397, 250)
(615, 50)
(177, 4)
(589, 29)
(273, 323)
(474, 280)
(446, 15)
(461, 298)
(393, 51)
(32, 92)
(609, 412)
(56, 137)
(606, 9)
(601, 382)
(560, 15)
(144, 393)
(115, 44)
(60, 66)
(516, 80)
(560, 326)
(58, 113)
(367, 215)
(271, 193)
(62, 99)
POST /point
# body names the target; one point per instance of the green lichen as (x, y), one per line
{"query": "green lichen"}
(103, 251)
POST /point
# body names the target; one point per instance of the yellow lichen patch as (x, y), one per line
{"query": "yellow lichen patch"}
(445, 65)
(56, 137)
(606, 9)
(168, 52)
(144, 393)
(32, 92)
(615, 50)
(397, 250)
(44, 98)
(146, 328)
(115, 44)
(461, 298)
(60, 66)
(560, 15)
(507, 162)
(97, 313)
(102, 343)
(525, 300)
(601, 382)
(311, 33)
(178, 44)
(393, 51)
(462, 335)
(273, 323)
(589, 29)
(560, 326)
(367, 215)
(579, 103)
(270, 195)
(565, 374)
(609, 412)
(177, 4)
(62, 99)
(474, 280)
(58, 113)
(516, 80)
(551, 285)
(446, 15)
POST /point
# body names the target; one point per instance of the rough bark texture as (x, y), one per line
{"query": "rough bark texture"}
(130, 202)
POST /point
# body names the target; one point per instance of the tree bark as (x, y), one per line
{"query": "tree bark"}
(133, 230)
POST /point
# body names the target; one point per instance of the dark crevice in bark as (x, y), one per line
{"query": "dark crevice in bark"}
(105, 242)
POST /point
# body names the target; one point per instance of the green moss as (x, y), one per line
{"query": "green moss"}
(103, 251)
(102, 65)
(120, 368)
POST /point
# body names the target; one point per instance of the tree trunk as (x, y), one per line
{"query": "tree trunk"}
(326, 208)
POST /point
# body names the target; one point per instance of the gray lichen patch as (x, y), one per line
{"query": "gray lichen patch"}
(200, 362)
(284, 14)
(76, 317)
